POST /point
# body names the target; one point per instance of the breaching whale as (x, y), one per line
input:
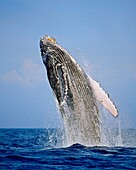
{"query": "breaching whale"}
(77, 94)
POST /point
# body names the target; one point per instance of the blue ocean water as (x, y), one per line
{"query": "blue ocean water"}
(43, 149)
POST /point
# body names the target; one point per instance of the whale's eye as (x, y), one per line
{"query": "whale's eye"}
(51, 39)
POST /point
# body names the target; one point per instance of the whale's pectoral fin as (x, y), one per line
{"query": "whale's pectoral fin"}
(103, 97)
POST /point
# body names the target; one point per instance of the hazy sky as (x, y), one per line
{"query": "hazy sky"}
(100, 34)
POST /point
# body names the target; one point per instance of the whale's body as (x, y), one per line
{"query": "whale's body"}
(76, 94)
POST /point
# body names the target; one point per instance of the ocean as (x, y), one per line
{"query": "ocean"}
(45, 149)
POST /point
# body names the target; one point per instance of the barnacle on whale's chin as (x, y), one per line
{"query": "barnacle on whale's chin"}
(47, 39)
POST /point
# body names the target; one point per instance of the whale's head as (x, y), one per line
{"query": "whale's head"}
(55, 58)
(52, 53)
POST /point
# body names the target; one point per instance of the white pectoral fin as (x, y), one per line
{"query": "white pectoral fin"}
(103, 98)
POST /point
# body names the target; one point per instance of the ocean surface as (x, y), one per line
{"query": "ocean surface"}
(45, 149)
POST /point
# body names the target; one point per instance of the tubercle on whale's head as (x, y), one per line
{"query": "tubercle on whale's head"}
(46, 40)
(51, 39)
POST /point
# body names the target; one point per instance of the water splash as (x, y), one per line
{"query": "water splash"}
(112, 135)
(76, 129)
(110, 129)
(119, 141)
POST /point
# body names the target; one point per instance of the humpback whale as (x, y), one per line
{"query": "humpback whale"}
(78, 96)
